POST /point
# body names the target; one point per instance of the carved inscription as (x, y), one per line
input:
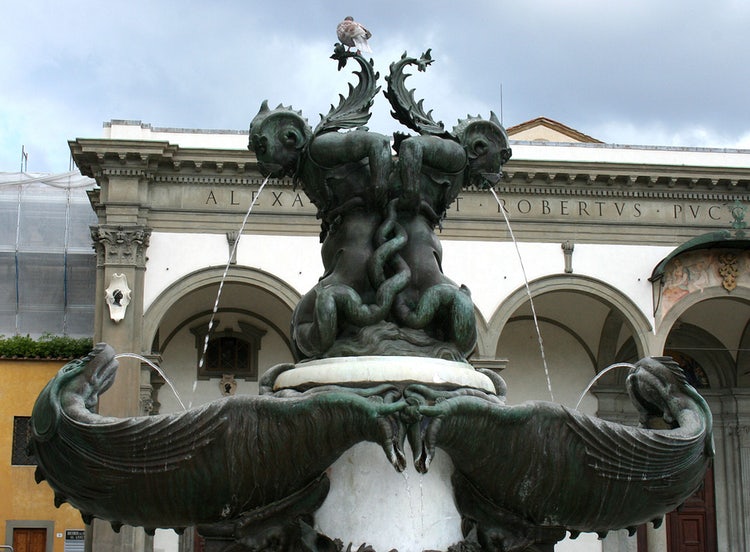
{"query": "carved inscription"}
(273, 198)
(594, 209)
(571, 207)
(519, 207)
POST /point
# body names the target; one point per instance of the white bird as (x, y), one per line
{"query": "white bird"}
(352, 34)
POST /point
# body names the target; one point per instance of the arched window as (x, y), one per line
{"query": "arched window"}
(694, 372)
(229, 351)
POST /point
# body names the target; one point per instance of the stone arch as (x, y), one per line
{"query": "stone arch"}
(207, 277)
(684, 304)
(586, 325)
(633, 316)
(722, 370)
(743, 358)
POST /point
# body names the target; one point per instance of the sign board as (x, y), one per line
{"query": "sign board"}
(74, 539)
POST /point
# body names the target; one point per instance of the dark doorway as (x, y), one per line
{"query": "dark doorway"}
(692, 526)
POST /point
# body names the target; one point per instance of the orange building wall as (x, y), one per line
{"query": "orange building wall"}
(20, 497)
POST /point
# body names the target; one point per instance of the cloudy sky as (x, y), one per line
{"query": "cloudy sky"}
(648, 72)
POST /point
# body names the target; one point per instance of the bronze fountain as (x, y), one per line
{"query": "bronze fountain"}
(251, 470)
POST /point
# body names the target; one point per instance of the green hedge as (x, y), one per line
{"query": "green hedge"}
(47, 346)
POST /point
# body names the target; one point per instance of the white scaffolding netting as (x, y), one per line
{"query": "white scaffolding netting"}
(47, 264)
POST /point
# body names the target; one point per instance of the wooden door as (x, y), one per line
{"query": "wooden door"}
(692, 527)
(29, 539)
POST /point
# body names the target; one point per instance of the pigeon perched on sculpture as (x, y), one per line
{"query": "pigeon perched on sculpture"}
(353, 35)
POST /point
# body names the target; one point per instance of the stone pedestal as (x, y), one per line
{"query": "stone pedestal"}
(373, 370)
(369, 502)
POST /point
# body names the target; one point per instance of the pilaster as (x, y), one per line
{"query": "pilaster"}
(731, 410)
(121, 251)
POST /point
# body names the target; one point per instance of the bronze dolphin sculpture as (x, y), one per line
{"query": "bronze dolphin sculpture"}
(542, 465)
(519, 471)
(210, 464)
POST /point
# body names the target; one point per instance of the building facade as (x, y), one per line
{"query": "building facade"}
(593, 254)
(47, 287)
(29, 519)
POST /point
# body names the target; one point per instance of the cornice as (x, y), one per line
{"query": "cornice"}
(95, 156)
(220, 179)
(210, 161)
(155, 159)
(541, 188)
(162, 161)
(626, 175)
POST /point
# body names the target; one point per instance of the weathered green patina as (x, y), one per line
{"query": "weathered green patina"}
(383, 290)
(251, 471)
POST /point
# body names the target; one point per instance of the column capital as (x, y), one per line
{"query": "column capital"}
(120, 245)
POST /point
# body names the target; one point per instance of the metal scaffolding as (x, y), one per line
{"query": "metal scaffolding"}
(47, 263)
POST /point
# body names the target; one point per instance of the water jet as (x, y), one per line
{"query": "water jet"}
(255, 473)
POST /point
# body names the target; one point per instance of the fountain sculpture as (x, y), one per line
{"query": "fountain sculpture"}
(382, 342)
